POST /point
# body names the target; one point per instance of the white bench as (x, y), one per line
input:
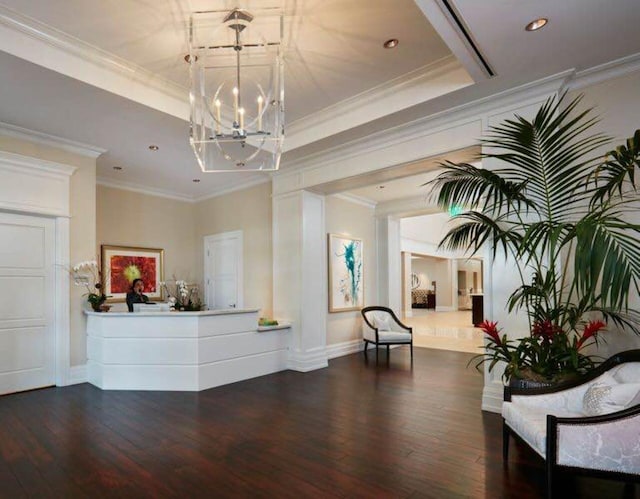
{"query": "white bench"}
(589, 426)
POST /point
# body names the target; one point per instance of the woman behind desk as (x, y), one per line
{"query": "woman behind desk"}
(135, 295)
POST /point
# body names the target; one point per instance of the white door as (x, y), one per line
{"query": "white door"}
(27, 343)
(223, 270)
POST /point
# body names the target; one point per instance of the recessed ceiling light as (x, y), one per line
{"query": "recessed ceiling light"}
(391, 43)
(196, 180)
(153, 147)
(537, 24)
(187, 58)
(117, 168)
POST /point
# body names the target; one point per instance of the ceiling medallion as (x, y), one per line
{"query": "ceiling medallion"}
(237, 89)
(537, 24)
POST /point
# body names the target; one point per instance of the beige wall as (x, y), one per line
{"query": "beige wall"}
(82, 227)
(127, 218)
(356, 220)
(431, 269)
(617, 103)
(248, 210)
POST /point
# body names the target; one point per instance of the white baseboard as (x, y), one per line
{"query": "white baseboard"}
(492, 397)
(308, 361)
(344, 348)
(78, 374)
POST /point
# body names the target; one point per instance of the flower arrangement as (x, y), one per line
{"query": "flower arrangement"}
(184, 297)
(89, 275)
(549, 354)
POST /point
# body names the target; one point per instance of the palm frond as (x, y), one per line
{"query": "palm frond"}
(550, 153)
(607, 258)
(466, 185)
(620, 165)
(471, 235)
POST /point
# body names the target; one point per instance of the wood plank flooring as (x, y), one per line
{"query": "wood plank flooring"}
(356, 429)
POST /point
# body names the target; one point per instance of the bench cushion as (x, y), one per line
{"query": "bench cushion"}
(531, 423)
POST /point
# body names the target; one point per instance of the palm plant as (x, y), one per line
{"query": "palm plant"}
(562, 213)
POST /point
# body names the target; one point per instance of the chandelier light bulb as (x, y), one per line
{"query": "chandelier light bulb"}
(260, 102)
(218, 120)
(235, 104)
(241, 113)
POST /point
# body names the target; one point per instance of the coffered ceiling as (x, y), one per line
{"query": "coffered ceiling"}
(110, 73)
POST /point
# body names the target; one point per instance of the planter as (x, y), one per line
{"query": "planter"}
(527, 384)
(98, 304)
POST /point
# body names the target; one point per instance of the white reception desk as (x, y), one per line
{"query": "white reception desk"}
(187, 351)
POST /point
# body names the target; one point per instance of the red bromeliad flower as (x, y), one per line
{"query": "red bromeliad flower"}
(590, 329)
(491, 328)
(546, 329)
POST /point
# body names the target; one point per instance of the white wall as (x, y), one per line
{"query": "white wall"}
(356, 220)
(616, 102)
(426, 228)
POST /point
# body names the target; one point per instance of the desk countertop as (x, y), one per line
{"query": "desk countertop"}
(134, 315)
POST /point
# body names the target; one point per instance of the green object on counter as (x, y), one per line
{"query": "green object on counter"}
(264, 321)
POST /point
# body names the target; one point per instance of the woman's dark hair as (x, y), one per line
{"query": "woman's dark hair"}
(133, 284)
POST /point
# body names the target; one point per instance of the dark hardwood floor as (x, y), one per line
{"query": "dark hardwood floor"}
(355, 429)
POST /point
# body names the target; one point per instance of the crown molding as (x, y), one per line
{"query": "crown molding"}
(353, 198)
(404, 91)
(446, 119)
(39, 43)
(603, 72)
(39, 166)
(237, 187)
(141, 189)
(46, 139)
(176, 196)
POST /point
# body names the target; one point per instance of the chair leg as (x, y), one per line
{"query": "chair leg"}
(411, 349)
(366, 347)
(505, 441)
(387, 352)
(377, 353)
(550, 477)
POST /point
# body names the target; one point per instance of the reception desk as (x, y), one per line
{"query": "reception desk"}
(186, 351)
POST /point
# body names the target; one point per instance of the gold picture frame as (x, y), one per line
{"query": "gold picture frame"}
(122, 264)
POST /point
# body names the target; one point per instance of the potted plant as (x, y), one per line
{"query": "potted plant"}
(563, 215)
(89, 275)
(185, 298)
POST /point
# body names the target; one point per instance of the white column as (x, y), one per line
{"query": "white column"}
(61, 321)
(406, 283)
(454, 284)
(300, 276)
(500, 276)
(389, 263)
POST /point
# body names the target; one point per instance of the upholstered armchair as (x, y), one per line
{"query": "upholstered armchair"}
(381, 326)
(589, 426)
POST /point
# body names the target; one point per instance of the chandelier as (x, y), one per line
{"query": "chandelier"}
(237, 89)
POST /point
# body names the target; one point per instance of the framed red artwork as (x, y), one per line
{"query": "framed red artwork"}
(121, 265)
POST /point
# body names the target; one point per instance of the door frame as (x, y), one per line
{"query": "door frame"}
(17, 169)
(235, 234)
